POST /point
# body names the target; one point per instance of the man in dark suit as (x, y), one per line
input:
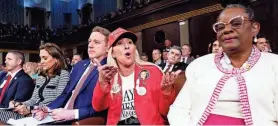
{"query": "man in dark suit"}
(75, 102)
(16, 85)
(173, 63)
(186, 51)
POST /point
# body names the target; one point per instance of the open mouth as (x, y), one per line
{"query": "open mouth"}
(127, 54)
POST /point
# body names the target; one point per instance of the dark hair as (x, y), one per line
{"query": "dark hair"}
(19, 54)
(157, 50)
(248, 10)
(78, 55)
(144, 54)
(261, 36)
(188, 46)
(56, 53)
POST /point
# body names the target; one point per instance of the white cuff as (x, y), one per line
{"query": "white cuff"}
(76, 113)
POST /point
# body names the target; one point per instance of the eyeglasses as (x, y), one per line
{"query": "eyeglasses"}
(235, 23)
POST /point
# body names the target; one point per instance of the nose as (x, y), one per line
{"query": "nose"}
(126, 45)
(227, 30)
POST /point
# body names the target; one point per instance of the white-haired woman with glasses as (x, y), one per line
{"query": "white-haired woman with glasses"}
(236, 87)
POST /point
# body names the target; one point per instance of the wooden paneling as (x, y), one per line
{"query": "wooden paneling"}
(201, 33)
(172, 31)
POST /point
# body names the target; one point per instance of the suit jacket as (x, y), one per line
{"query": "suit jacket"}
(189, 60)
(20, 89)
(2, 76)
(84, 98)
(178, 66)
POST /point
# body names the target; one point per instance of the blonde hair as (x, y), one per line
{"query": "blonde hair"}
(112, 62)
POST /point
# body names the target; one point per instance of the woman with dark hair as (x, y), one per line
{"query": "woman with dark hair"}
(235, 87)
(134, 91)
(51, 82)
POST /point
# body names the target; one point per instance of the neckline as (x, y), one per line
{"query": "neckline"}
(252, 60)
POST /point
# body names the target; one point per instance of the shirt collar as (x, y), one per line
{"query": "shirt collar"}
(13, 74)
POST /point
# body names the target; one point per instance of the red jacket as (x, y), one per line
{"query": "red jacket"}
(149, 108)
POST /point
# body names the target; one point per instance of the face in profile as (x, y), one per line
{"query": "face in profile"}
(12, 62)
(97, 46)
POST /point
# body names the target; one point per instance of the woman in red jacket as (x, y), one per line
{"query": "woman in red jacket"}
(134, 91)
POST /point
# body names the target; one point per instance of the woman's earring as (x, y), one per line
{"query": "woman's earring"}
(255, 39)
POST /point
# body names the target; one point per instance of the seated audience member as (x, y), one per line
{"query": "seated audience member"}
(75, 101)
(49, 85)
(16, 85)
(261, 42)
(144, 57)
(216, 48)
(2, 72)
(167, 44)
(164, 55)
(127, 82)
(235, 87)
(75, 59)
(186, 51)
(156, 55)
(173, 63)
(31, 69)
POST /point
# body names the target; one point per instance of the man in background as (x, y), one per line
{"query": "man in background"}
(16, 85)
(186, 51)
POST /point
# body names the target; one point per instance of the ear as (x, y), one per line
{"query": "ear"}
(19, 61)
(255, 28)
(113, 54)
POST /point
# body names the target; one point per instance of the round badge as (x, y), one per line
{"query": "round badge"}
(116, 88)
(144, 74)
(141, 91)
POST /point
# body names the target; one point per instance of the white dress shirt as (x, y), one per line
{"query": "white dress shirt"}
(202, 77)
(184, 59)
(166, 67)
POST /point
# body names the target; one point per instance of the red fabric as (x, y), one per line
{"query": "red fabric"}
(223, 120)
(149, 108)
(5, 87)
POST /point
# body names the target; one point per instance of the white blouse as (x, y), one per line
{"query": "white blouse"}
(202, 77)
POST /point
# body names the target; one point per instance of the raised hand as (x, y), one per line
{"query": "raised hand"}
(168, 82)
(106, 73)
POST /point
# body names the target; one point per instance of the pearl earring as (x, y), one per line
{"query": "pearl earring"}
(255, 39)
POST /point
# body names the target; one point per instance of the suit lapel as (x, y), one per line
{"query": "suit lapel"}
(15, 77)
(12, 81)
(89, 78)
(92, 75)
(82, 69)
